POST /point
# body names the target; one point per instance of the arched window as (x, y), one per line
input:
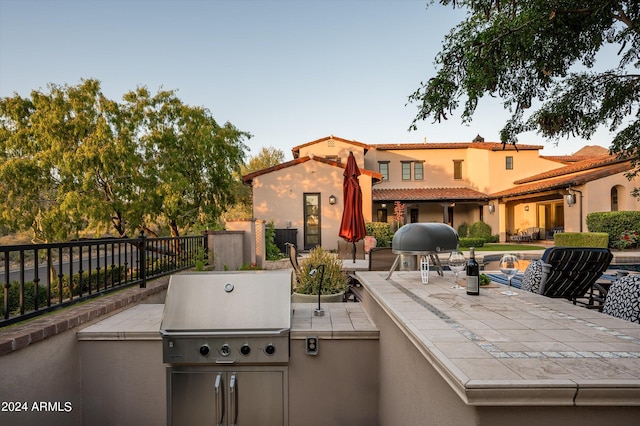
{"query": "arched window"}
(614, 199)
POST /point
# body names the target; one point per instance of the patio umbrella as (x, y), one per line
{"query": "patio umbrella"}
(352, 226)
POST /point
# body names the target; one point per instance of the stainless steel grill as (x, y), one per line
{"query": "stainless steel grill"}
(223, 332)
(423, 240)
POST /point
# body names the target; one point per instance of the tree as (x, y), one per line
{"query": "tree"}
(71, 160)
(40, 184)
(530, 52)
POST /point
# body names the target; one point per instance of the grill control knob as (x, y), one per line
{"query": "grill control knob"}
(270, 349)
(204, 350)
(245, 349)
(225, 350)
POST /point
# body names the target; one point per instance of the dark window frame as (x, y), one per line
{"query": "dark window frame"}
(385, 173)
(457, 169)
(508, 162)
(415, 170)
(406, 168)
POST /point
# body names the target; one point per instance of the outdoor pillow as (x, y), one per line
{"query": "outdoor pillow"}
(532, 277)
(623, 299)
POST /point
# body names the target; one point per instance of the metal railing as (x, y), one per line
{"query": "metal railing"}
(40, 278)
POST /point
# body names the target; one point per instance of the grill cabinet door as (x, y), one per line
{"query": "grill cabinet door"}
(242, 396)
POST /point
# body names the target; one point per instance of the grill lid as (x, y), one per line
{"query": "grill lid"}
(257, 301)
(425, 238)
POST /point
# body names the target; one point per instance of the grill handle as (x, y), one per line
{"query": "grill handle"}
(233, 395)
(219, 400)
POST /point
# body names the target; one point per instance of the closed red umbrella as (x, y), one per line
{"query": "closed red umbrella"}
(352, 227)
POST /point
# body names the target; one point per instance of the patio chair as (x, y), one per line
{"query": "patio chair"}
(345, 250)
(381, 258)
(567, 272)
(623, 299)
(293, 258)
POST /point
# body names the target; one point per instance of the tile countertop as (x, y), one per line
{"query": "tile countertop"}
(525, 349)
(142, 322)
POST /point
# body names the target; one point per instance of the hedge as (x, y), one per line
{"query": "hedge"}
(614, 224)
(581, 239)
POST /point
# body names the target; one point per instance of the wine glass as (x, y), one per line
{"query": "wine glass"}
(457, 263)
(509, 266)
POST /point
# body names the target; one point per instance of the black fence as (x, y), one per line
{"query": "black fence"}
(39, 278)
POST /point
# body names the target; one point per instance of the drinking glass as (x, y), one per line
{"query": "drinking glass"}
(509, 266)
(457, 263)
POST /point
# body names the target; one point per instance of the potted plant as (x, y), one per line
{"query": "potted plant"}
(319, 266)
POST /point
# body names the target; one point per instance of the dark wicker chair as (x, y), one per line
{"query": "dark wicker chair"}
(567, 272)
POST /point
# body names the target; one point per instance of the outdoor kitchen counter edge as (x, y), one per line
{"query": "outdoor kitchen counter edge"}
(527, 349)
(341, 321)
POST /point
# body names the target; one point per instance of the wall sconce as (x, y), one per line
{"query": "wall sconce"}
(332, 199)
(383, 205)
(571, 199)
(526, 208)
(492, 208)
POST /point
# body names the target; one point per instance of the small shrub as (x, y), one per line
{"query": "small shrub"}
(381, 231)
(29, 298)
(480, 230)
(628, 239)
(273, 252)
(334, 280)
(581, 239)
(463, 230)
(615, 224)
(471, 242)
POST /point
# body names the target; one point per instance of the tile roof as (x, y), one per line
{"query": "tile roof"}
(564, 181)
(296, 149)
(579, 166)
(248, 178)
(427, 194)
(492, 146)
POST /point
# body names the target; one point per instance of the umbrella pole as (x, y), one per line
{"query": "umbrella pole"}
(354, 252)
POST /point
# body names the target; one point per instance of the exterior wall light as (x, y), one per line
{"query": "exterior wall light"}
(526, 208)
(571, 199)
(332, 199)
(492, 208)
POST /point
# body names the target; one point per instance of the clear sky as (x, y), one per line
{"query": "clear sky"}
(286, 71)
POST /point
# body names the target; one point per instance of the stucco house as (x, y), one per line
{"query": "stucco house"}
(510, 188)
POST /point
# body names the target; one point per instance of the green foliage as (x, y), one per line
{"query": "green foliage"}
(620, 226)
(335, 280)
(273, 252)
(581, 239)
(463, 230)
(381, 231)
(484, 279)
(535, 52)
(94, 282)
(29, 298)
(480, 230)
(250, 267)
(201, 259)
(471, 242)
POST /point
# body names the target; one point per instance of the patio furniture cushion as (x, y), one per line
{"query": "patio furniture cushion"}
(623, 299)
(532, 277)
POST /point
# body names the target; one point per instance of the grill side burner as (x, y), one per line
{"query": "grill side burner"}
(226, 346)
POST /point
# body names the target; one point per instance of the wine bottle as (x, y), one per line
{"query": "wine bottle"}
(473, 274)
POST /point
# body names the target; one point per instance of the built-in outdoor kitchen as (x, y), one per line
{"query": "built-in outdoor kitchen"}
(408, 353)
(230, 348)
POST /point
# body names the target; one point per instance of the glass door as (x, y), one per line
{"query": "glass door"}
(311, 220)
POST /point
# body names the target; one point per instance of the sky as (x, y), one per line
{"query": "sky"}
(286, 71)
